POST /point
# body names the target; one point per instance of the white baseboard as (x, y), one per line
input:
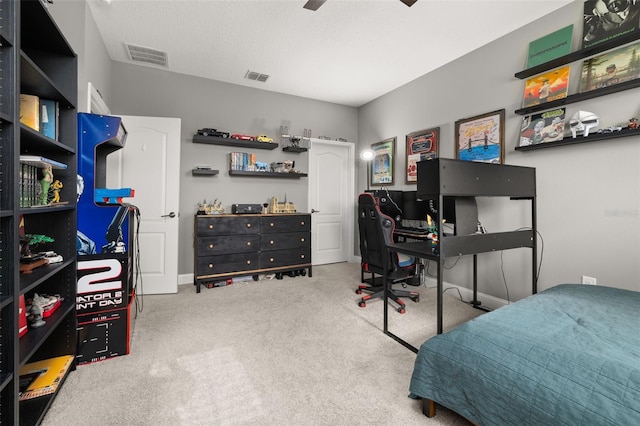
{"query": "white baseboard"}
(185, 279)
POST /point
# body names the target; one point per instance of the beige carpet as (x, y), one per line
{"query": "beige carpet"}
(295, 351)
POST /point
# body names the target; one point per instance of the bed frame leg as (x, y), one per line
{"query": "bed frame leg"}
(428, 408)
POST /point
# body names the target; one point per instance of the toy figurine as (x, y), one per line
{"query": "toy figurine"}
(55, 189)
(45, 183)
(633, 123)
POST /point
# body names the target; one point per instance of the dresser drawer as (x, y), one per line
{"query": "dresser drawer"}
(293, 223)
(208, 246)
(239, 225)
(279, 258)
(223, 264)
(288, 240)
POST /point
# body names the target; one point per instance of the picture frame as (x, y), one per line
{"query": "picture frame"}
(420, 145)
(481, 138)
(382, 167)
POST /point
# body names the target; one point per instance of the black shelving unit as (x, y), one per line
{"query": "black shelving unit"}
(36, 60)
(267, 174)
(213, 140)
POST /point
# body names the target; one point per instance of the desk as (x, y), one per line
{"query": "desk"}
(442, 177)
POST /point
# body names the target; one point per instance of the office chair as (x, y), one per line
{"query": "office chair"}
(376, 232)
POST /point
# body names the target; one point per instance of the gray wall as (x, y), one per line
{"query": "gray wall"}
(588, 195)
(202, 103)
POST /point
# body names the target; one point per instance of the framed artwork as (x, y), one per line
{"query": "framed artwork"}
(382, 164)
(481, 138)
(421, 145)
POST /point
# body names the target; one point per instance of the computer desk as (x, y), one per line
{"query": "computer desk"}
(446, 177)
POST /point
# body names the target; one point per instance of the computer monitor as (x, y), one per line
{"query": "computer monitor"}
(412, 208)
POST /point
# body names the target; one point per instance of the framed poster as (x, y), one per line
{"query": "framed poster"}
(421, 145)
(382, 167)
(481, 138)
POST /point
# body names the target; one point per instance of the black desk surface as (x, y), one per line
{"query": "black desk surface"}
(422, 249)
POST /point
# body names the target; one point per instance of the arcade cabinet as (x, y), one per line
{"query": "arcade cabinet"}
(104, 244)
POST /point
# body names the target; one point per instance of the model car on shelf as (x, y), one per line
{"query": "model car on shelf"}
(264, 138)
(243, 137)
(213, 132)
(610, 129)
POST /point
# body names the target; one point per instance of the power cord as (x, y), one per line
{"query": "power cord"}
(137, 283)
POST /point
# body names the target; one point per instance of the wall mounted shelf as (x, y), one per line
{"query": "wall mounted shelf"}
(581, 139)
(267, 174)
(204, 172)
(577, 55)
(212, 140)
(294, 149)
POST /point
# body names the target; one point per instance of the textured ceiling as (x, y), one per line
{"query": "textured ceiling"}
(348, 52)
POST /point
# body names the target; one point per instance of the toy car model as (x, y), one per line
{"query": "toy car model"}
(610, 129)
(264, 138)
(243, 137)
(213, 132)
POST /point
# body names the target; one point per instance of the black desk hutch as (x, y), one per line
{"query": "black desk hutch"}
(441, 177)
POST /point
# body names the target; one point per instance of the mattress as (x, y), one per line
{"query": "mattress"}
(569, 355)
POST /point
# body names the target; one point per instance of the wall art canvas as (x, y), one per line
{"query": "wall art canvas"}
(544, 127)
(549, 47)
(383, 162)
(481, 138)
(421, 145)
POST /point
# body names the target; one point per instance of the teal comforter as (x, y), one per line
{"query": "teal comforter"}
(569, 355)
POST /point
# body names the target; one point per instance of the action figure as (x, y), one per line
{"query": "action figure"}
(633, 123)
(45, 183)
(55, 189)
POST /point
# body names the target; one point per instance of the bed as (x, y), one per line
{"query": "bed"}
(569, 355)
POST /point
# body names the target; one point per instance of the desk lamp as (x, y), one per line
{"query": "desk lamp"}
(367, 155)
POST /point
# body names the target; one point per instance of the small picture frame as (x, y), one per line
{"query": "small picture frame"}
(421, 145)
(481, 138)
(382, 166)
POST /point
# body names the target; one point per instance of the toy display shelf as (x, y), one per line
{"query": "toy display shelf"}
(267, 174)
(213, 140)
(581, 139)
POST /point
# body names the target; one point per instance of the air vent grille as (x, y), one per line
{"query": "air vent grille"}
(146, 54)
(252, 75)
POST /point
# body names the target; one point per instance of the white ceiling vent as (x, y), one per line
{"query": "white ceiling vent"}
(146, 54)
(252, 75)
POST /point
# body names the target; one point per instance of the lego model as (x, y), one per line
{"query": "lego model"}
(213, 132)
(276, 207)
(264, 138)
(633, 123)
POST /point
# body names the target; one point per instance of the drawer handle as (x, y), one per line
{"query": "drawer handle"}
(248, 262)
(271, 259)
(271, 242)
(272, 224)
(211, 266)
(302, 256)
(302, 240)
(248, 243)
(248, 225)
(211, 226)
(302, 223)
(210, 246)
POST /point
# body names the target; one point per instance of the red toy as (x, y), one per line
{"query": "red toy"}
(633, 123)
(243, 137)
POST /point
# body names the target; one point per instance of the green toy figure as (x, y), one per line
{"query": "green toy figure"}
(45, 183)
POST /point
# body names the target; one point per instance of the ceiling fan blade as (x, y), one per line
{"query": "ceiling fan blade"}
(409, 2)
(314, 4)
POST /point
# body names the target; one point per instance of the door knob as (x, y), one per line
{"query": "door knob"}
(315, 211)
(172, 214)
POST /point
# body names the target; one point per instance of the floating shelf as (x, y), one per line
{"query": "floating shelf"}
(295, 149)
(267, 174)
(204, 172)
(581, 139)
(212, 140)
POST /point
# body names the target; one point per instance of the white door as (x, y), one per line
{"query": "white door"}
(150, 164)
(331, 200)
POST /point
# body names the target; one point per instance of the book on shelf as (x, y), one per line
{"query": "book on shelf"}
(49, 112)
(546, 87)
(611, 68)
(38, 161)
(30, 111)
(550, 47)
(604, 21)
(42, 378)
(544, 127)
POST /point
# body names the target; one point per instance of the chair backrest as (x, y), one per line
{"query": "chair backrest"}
(376, 233)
